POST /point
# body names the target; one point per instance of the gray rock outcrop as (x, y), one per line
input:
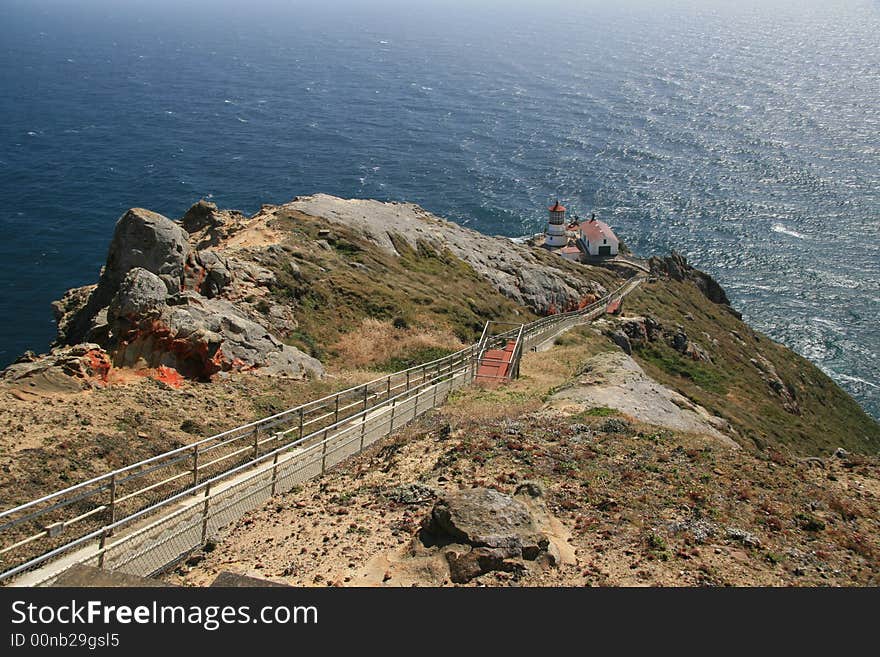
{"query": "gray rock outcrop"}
(195, 335)
(774, 382)
(615, 380)
(159, 302)
(676, 267)
(207, 226)
(530, 277)
(150, 241)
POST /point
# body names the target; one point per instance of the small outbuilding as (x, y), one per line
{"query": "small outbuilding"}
(597, 239)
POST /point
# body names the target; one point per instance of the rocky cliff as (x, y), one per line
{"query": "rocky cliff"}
(666, 427)
(217, 291)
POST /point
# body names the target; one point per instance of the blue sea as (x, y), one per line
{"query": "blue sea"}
(743, 133)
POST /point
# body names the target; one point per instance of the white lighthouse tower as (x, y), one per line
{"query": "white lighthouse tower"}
(554, 235)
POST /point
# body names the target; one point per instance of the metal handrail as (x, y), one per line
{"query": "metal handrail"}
(189, 447)
(207, 483)
(383, 387)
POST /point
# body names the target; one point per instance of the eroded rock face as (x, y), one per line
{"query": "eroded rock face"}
(63, 370)
(207, 226)
(197, 336)
(675, 266)
(159, 303)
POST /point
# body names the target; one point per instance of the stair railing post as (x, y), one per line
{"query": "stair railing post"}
(195, 468)
(112, 500)
(274, 472)
(101, 550)
(205, 508)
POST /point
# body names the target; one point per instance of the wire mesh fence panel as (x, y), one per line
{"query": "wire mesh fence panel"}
(144, 551)
(245, 465)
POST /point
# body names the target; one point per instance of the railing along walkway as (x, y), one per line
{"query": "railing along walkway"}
(143, 517)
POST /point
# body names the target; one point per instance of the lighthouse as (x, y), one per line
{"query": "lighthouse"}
(554, 235)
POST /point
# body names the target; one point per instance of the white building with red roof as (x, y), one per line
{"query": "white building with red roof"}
(597, 239)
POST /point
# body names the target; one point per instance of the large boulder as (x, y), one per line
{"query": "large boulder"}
(142, 239)
(483, 530)
(140, 294)
(199, 216)
(150, 241)
(484, 517)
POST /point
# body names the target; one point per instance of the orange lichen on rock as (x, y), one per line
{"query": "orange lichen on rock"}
(194, 275)
(586, 300)
(168, 376)
(99, 364)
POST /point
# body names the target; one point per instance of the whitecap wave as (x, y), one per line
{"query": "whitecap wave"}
(780, 228)
(855, 379)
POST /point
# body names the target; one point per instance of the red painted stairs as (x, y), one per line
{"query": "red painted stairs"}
(494, 365)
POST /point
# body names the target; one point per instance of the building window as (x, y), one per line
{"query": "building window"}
(604, 241)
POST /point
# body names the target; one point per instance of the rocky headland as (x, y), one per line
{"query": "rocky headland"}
(202, 323)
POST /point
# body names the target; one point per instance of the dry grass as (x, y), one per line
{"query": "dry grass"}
(380, 341)
(540, 375)
(73, 437)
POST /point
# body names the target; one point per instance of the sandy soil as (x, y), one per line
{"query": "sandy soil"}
(257, 233)
(632, 504)
(50, 439)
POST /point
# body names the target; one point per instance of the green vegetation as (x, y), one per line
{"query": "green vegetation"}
(822, 418)
(600, 411)
(670, 361)
(412, 358)
(336, 289)
(306, 343)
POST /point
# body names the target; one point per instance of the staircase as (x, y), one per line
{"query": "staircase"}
(499, 355)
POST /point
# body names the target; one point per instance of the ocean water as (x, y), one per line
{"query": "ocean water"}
(743, 133)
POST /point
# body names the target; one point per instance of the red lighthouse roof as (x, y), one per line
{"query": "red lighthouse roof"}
(556, 207)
